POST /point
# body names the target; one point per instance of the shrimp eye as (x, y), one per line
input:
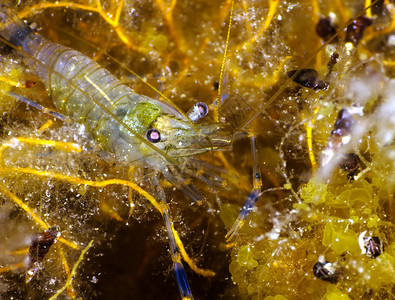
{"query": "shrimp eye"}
(153, 135)
(202, 108)
(198, 111)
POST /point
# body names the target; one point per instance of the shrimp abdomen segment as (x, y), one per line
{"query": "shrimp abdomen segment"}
(79, 87)
(90, 95)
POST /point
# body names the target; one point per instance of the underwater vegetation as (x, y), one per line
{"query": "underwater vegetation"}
(311, 81)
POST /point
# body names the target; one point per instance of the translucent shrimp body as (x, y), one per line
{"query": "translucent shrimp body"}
(116, 116)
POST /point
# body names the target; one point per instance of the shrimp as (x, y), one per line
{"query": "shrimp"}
(137, 129)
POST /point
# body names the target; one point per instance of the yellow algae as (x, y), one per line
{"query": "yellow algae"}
(228, 214)
(245, 257)
(326, 214)
(340, 239)
(333, 293)
(314, 192)
(287, 186)
(11, 75)
(351, 193)
(277, 297)
(382, 271)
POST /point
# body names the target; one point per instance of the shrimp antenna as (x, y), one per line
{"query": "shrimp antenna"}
(221, 75)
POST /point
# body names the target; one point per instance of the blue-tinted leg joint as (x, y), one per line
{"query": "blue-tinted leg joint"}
(182, 281)
(247, 208)
(181, 276)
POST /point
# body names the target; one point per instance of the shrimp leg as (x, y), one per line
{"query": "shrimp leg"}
(254, 195)
(48, 111)
(179, 270)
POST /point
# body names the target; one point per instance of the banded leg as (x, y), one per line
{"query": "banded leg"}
(254, 195)
(179, 270)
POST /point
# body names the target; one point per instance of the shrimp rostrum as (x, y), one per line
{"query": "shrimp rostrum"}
(135, 128)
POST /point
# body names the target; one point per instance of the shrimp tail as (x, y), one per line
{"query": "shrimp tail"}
(17, 32)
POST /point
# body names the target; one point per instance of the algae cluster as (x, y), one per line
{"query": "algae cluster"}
(325, 211)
